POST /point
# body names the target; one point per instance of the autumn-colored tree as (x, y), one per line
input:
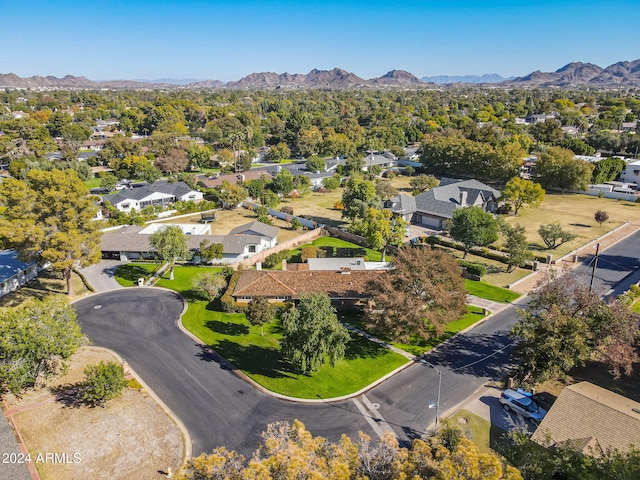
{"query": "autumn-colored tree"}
(381, 229)
(290, 452)
(519, 192)
(420, 294)
(174, 161)
(260, 311)
(601, 216)
(49, 218)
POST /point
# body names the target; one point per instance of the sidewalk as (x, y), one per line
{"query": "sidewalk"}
(584, 252)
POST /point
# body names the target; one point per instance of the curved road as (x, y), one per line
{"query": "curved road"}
(220, 409)
(217, 407)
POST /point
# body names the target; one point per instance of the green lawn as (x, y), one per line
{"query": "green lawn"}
(478, 430)
(93, 183)
(257, 356)
(490, 292)
(342, 248)
(636, 307)
(418, 346)
(128, 275)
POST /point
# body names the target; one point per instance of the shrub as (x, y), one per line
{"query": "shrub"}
(275, 259)
(473, 268)
(227, 301)
(295, 224)
(102, 383)
(288, 210)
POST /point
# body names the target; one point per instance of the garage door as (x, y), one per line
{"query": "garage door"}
(432, 222)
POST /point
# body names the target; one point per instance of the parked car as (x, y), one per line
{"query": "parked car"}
(522, 404)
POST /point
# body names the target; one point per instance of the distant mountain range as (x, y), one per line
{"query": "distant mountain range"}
(576, 74)
(486, 78)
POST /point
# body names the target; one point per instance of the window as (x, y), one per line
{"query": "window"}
(252, 249)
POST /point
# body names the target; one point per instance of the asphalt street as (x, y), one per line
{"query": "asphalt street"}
(218, 408)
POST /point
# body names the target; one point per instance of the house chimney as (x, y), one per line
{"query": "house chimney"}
(463, 198)
(284, 265)
(258, 265)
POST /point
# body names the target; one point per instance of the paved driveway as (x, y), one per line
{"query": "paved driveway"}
(102, 275)
(216, 406)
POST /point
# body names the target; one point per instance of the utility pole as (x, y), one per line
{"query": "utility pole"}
(595, 265)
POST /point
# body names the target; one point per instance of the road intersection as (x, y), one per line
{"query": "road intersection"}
(220, 409)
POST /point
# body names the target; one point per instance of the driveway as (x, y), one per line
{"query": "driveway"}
(102, 275)
(487, 406)
(216, 406)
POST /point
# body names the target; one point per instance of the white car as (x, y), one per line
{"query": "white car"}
(522, 404)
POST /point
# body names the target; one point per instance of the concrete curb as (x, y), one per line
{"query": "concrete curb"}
(188, 448)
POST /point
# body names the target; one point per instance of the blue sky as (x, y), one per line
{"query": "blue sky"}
(226, 40)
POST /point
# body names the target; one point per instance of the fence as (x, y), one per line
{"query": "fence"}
(289, 244)
(287, 217)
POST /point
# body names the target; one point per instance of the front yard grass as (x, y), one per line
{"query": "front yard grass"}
(230, 335)
(418, 346)
(574, 212)
(490, 292)
(337, 243)
(478, 430)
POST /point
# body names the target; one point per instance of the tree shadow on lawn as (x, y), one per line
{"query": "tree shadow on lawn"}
(132, 273)
(67, 394)
(227, 328)
(194, 296)
(251, 359)
(583, 225)
(360, 347)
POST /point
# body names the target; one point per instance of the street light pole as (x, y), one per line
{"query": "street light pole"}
(595, 265)
(439, 388)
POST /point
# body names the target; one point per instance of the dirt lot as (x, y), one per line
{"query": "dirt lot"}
(132, 437)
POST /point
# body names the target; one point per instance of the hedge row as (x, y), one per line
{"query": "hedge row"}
(473, 268)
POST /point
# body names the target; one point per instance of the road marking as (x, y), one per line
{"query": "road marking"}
(373, 416)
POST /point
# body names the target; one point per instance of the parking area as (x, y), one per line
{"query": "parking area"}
(487, 405)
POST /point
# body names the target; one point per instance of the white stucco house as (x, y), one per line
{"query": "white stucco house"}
(13, 272)
(132, 242)
(631, 173)
(157, 193)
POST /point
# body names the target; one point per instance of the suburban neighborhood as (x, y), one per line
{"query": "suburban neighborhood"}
(199, 283)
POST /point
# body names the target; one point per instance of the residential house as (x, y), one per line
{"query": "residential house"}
(631, 173)
(591, 420)
(435, 207)
(345, 288)
(132, 242)
(337, 264)
(159, 193)
(13, 272)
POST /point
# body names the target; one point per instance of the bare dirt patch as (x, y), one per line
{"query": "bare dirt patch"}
(132, 437)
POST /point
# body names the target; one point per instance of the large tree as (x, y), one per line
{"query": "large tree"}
(421, 293)
(359, 195)
(260, 311)
(34, 341)
(565, 324)
(170, 243)
(381, 229)
(473, 227)
(312, 334)
(49, 218)
(516, 245)
(519, 192)
(558, 168)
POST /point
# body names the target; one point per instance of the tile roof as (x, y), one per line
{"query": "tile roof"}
(263, 283)
(586, 415)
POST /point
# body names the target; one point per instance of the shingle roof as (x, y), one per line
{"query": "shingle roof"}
(176, 189)
(586, 415)
(10, 265)
(263, 283)
(444, 199)
(258, 227)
